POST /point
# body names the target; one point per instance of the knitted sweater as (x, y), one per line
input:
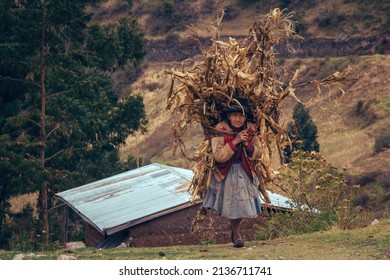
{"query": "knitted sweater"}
(226, 153)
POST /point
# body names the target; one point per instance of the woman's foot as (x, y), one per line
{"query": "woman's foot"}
(238, 243)
(235, 233)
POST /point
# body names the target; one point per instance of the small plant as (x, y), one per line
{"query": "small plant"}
(284, 3)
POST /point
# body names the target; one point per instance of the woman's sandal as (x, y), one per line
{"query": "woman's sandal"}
(239, 243)
(236, 243)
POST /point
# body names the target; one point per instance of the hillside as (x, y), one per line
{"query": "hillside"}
(315, 18)
(353, 127)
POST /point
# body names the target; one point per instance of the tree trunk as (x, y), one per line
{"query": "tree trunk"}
(45, 214)
(3, 195)
(43, 191)
(64, 219)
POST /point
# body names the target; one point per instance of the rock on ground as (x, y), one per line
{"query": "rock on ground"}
(75, 245)
(66, 257)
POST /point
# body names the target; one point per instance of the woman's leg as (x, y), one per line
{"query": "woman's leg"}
(235, 223)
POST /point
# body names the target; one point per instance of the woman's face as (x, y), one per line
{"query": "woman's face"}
(237, 119)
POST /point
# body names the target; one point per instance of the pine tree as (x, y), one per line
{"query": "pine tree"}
(302, 131)
(62, 122)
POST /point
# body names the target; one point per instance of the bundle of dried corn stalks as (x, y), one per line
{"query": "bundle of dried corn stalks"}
(230, 70)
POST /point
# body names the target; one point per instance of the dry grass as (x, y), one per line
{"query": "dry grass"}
(153, 87)
(21, 201)
(344, 141)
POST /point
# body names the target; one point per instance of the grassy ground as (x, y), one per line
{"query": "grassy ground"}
(369, 243)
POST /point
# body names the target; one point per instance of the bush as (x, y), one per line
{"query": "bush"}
(331, 20)
(231, 13)
(246, 3)
(384, 179)
(132, 162)
(382, 142)
(167, 17)
(320, 196)
(300, 23)
(166, 7)
(302, 131)
(364, 111)
(359, 109)
(283, 224)
(284, 3)
(21, 233)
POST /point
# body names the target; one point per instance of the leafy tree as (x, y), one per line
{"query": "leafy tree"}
(302, 131)
(62, 122)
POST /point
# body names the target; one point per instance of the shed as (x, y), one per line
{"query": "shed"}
(147, 206)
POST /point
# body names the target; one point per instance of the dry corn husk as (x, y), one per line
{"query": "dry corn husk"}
(230, 70)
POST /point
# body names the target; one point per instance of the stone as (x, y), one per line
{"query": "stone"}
(66, 258)
(374, 222)
(75, 245)
(30, 256)
(122, 245)
(19, 257)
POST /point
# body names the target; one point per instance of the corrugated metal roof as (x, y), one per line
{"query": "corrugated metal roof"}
(120, 201)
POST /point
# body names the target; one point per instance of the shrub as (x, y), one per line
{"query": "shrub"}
(284, 3)
(359, 109)
(382, 142)
(331, 20)
(364, 111)
(166, 7)
(21, 232)
(300, 23)
(231, 13)
(246, 3)
(384, 179)
(302, 131)
(168, 17)
(132, 162)
(321, 199)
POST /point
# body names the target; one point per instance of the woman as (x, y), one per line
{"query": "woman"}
(233, 191)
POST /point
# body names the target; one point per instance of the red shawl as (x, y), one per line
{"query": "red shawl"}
(240, 155)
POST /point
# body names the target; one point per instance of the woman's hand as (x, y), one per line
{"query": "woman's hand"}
(242, 137)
